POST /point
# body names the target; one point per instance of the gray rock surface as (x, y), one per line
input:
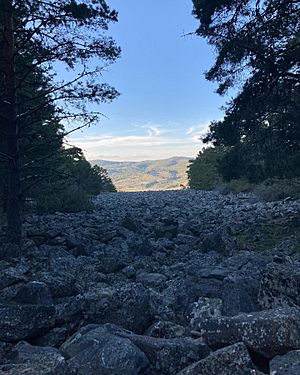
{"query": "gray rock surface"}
(93, 350)
(20, 322)
(33, 360)
(232, 360)
(287, 364)
(269, 332)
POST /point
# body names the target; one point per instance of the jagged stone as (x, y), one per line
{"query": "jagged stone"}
(21, 322)
(232, 360)
(287, 364)
(33, 360)
(93, 350)
(268, 333)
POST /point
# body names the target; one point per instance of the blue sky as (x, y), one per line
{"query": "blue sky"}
(165, 102)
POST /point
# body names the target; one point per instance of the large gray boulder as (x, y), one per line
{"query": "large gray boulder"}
(268, 332)
(232, 360)
(126, 305)
(166, 356)
(93, 350)
(21, 322)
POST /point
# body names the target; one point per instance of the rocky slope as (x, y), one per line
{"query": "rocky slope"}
(186, 282)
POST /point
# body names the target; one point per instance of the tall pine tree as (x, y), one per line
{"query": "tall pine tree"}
(36, 35)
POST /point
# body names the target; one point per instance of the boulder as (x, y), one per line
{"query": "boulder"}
(34, 293)
(166, 356)
(13, 274)
(267, 333)
(204, 308)
(93, 350)
(287, 364)
(151, 280)
(240, 294)
(33, 360)
(59, 273)
(126, 305)
(232, 360)
(21, 322)
(280, 286)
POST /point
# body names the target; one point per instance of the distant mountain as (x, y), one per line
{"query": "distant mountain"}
(164, 174)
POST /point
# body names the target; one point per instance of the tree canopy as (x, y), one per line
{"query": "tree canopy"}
(37, 38)
(257, 52)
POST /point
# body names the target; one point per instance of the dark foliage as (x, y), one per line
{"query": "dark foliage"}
(258, 51)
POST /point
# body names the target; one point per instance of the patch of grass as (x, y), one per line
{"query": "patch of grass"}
(266, 236)
(275, 189)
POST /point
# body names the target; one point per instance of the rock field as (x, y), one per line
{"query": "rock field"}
(159, 283)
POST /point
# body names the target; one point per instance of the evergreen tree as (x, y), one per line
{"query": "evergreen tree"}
(34, 36)
(258, 52)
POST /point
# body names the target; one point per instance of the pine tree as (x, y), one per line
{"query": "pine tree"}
(36, 35)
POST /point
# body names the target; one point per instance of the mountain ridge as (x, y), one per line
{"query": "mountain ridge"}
(147, 175)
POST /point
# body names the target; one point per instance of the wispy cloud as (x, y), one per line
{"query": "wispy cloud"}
(155, 142)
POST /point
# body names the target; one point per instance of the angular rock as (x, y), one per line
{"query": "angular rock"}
(33, 360)
(93, 350)
(59, 274)
(21, 322)
(268, 333)
(280, 286)
(287, 364)
(12, 274)
(34, 293)
(127, 305)
(240, 294)
(167, 356)
(232, 360)
(151, 280)
(204, 308)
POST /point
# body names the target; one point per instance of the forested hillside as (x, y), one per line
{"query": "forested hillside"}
(165, 174)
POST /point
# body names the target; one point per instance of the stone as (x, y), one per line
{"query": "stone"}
(267, 333)
(204, 308)
(32, 360)
(13, 274)
(280, 286)
(232, 360)
(59, 274)
(166, 356)
(93, 350)
(21, 322)
(151, 280)
(240, 294)
(287, 364)
(34, 293)
(126, 305)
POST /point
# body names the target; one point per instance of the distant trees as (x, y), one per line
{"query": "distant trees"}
(72, 185)
(258, 49)
(203, 172)
(36, 38)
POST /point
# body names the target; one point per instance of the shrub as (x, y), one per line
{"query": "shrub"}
(62, 198)
(277, 189)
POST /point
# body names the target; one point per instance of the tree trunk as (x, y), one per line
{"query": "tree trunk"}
(14, 222)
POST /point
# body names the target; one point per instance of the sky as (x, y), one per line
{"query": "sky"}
(165, 103)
